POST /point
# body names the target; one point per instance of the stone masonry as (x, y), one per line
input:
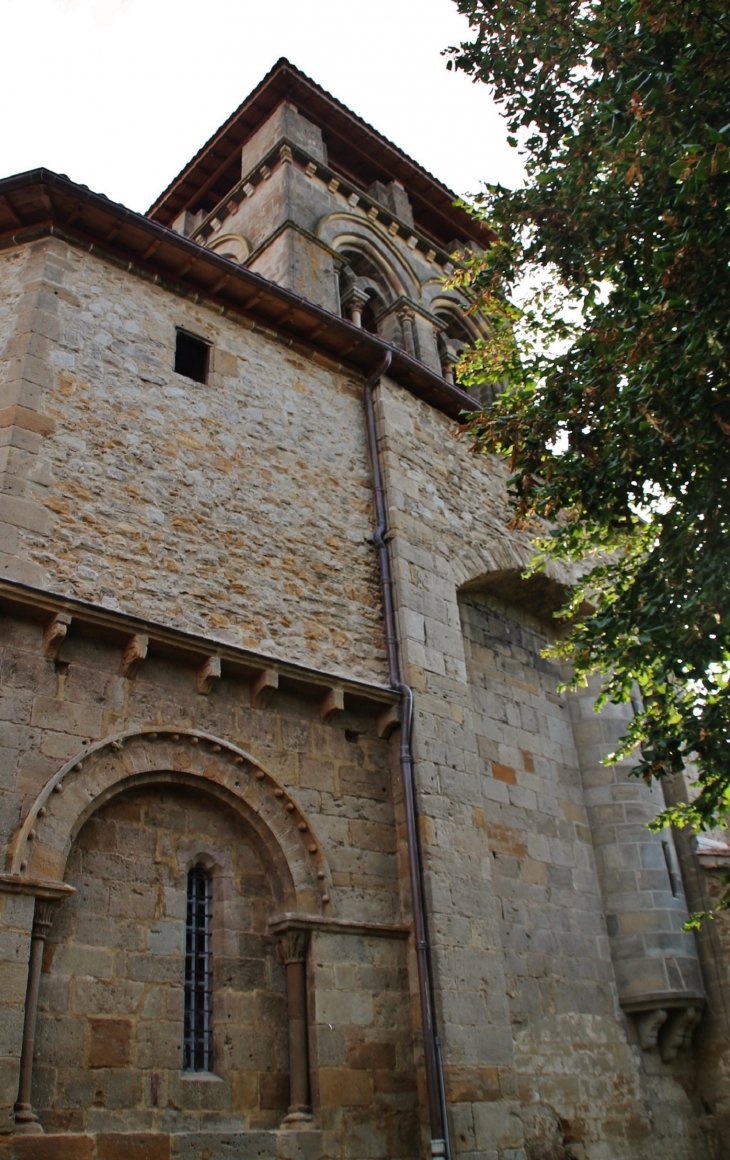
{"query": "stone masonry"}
(193, 674)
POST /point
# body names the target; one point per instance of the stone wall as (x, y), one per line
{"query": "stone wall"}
(538, 1055)
(240, 508)
(362, 1045)
(241, 511)
(113, 966)
(557, 967)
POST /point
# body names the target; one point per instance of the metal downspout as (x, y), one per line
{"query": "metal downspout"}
(432, 1057)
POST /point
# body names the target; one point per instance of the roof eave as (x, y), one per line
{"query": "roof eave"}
(285, 80)
(41, 202)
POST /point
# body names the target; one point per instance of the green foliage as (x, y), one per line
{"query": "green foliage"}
(614, 403)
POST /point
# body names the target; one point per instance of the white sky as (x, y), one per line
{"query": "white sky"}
(119, 94)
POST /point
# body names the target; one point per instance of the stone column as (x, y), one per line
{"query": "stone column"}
(655, 962)
(449, 360)
(354, 301)
(26, 1120)
(407, 318)
(292, 953)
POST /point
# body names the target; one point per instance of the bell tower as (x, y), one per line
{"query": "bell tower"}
(299, 189)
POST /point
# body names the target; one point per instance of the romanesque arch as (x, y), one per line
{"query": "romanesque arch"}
(237, 247)
(343, 231)
(185, 757)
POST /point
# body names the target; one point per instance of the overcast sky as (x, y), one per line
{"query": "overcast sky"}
(119, 94)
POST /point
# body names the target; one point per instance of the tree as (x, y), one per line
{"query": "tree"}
(612, 380)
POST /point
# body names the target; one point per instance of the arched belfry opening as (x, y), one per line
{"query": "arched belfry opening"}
(453, 339)
(365, 291)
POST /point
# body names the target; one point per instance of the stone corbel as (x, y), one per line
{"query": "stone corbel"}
(333, 703)
(650, 1024)
(291, 952)
(679, 1032)
(208, 674)
(55, 634)
(135, 652)
(265, 684)
(669, 1026)
(388, 721)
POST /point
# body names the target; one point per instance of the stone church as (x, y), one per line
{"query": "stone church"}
(306, 853)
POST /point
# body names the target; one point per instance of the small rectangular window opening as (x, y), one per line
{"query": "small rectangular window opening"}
(198, 1053)
(191, 357)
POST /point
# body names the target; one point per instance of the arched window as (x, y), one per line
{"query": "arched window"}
(364, 289)
(452, 340)
(232, 246)
(198, 1046)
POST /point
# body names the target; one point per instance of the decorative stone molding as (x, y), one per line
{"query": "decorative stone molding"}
(314, 922)
(186, 648)
(291, 946)
(169, 754)
(407, 319)
(36, 887)
(354, 301)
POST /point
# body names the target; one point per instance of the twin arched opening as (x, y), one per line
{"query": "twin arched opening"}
(380, 292)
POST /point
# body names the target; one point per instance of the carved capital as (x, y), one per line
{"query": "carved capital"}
(354, 301)
(43, 917)
(355, 295)
(291, 946)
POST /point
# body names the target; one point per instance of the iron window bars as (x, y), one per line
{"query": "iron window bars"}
(197, 1055)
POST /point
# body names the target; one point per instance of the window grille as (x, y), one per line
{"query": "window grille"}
(198, 973)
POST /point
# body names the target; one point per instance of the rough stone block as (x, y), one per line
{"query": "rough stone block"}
(110, 1042)
(53, 1147)
(133, 1146)
(344, 1087)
